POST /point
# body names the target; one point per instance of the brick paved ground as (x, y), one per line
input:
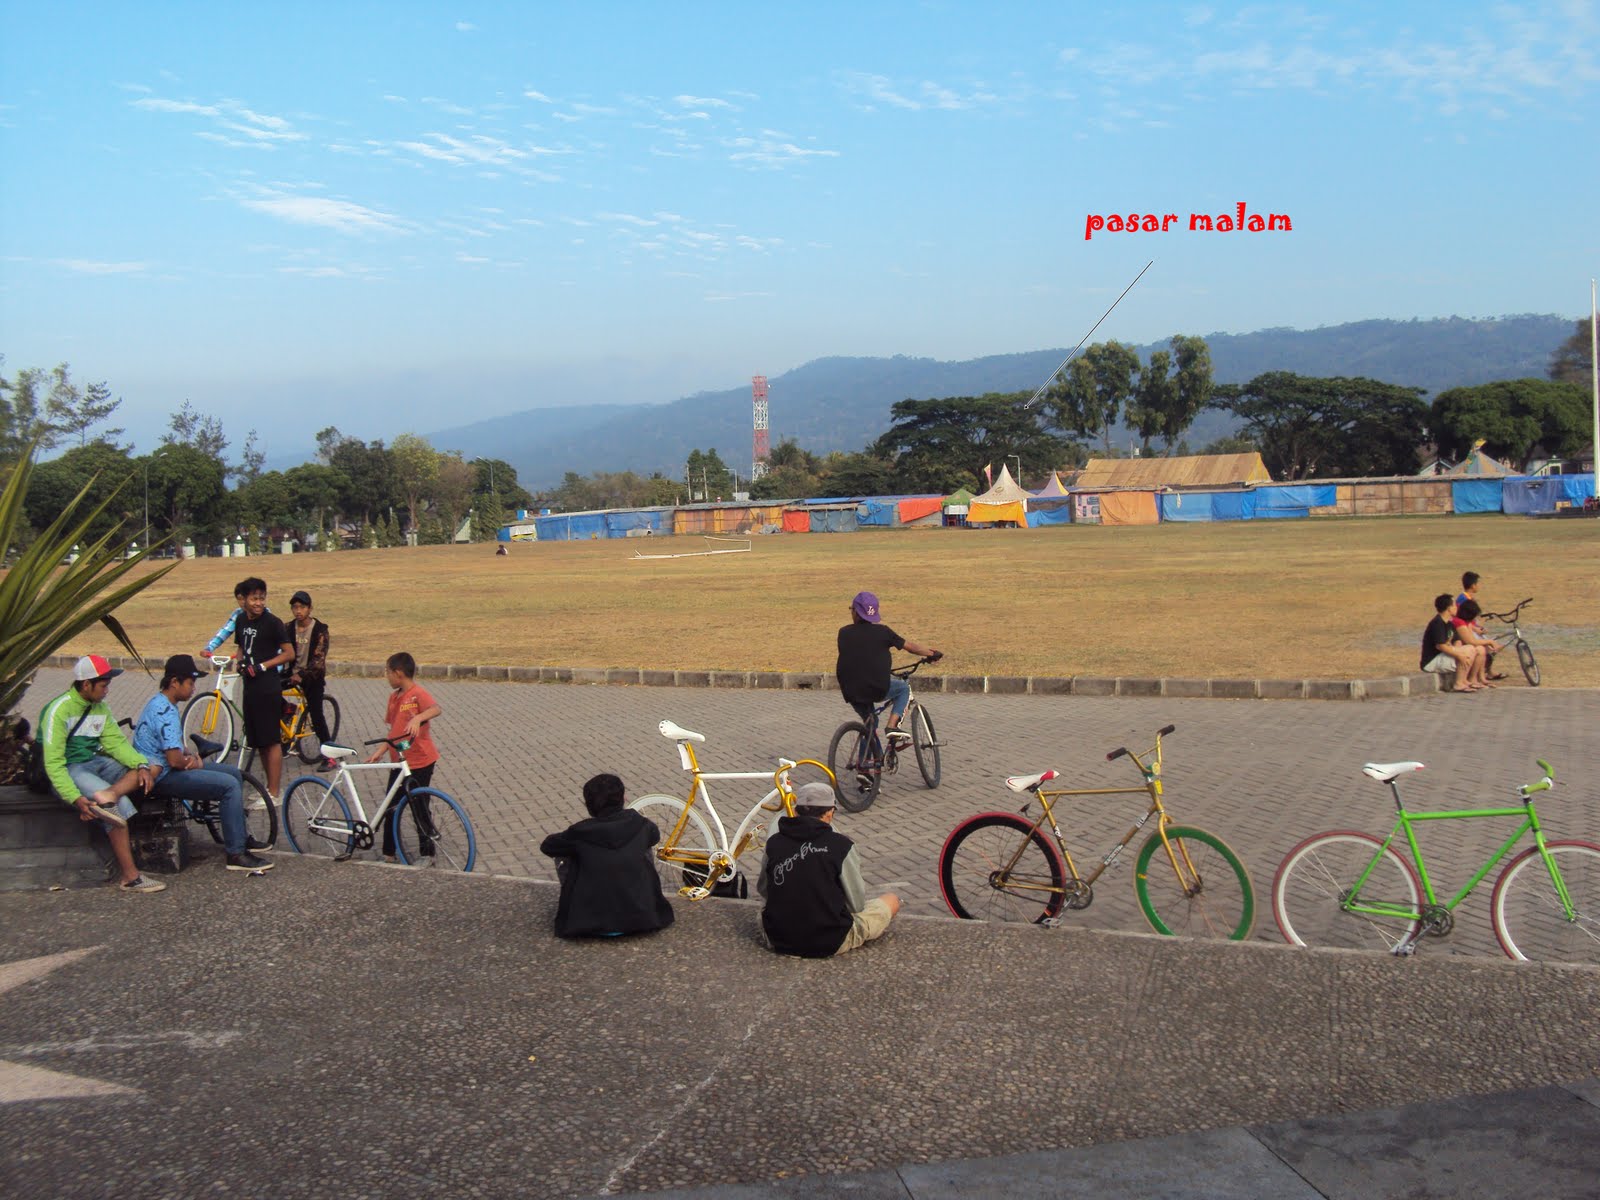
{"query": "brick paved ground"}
(1261, 774)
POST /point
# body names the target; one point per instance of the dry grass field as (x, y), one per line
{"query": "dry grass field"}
(1320, 598)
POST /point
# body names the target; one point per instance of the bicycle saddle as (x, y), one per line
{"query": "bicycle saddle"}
(679, 734)
(334, 751)
(1385, 772)
(1026, 783)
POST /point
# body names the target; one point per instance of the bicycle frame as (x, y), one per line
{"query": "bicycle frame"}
(719, 860)
(1178, 858)
(402, 771)
(1405, 820)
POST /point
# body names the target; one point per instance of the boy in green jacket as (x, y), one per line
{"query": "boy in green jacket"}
(91, 764)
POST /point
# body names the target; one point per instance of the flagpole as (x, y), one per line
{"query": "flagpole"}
(1594, 376)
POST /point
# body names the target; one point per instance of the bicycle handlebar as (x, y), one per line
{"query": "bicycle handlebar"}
(1545, 784)
(911, 669)
(1509, 615)
(1121, 750)
(401, 744)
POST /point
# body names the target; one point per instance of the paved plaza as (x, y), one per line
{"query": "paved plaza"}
(362, 1030)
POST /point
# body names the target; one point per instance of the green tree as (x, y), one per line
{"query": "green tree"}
(786, 483)
(416, 467)
(196, 429)
(55, 483)
(188, 493)
(499, 478)
(314, 496)
(1573, 360)
(941, 445)
(452, 491)
(24, 427)
(72, 411)
(1309, 428)
(709, 477)
(366, 478)
(858, 474)
(1166, 402)
(1514, 417)
(1088, 399)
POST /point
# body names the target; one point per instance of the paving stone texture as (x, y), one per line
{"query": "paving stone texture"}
(354, 1029)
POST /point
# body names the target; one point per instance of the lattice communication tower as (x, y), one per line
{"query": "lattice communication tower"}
(759, 448)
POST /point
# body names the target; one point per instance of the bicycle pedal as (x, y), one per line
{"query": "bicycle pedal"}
(1050, 922)
(345, 857)
(694, 893)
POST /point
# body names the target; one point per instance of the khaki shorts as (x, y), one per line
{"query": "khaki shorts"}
(869, 923)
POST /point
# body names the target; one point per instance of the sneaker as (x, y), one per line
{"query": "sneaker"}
(898, 738)
(248, 862)
(255, 846)
(109, 814)
(142, 884)
(256, 802)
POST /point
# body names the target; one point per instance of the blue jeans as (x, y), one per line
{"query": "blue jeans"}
(899, 694)
(216, 784)
(100, 774)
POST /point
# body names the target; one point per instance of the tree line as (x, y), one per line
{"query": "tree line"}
(374, 494)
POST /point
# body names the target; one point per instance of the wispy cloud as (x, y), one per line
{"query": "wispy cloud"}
(465, 26)
(873, 91)
(233, 124)
(772, 149)
(342, 216)
(85, 266)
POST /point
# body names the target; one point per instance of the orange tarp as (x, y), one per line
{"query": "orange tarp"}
(1129, 508)
(796, 520)
(918, 506)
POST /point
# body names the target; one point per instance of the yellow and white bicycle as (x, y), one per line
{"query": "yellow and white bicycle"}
(695, 854)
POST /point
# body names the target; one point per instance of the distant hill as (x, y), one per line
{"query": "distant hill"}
(843, 403)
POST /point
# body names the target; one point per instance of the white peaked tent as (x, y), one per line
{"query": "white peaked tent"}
(1005, 501)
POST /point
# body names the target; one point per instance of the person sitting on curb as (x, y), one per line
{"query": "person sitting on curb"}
(91, 765)
(1441, 652)
(1469, 591)
(609, 884)
(816, 902)
(158, 735)
(1470, 634)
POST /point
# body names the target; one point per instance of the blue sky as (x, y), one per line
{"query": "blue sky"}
(392, 216)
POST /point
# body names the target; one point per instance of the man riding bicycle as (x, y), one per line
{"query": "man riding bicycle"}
(865, 658)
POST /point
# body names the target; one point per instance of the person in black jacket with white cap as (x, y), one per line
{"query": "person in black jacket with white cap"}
(816, 900)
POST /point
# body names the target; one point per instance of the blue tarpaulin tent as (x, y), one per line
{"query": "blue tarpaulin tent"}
(571, 527)
(879, 511)
(1208, 506)
(1575, 489)
(1050, 512)
(1530, 494)
(833, 520)
(657, 520)
(1478, 495)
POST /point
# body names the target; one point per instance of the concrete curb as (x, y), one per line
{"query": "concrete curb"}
(1418, 683)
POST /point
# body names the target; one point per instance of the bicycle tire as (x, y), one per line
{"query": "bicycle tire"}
(1222, 905)
(926, 744)
(662, 812)
(974, 855)
(1313, 879)
(1529, 664)
(218, 726)
(1528, 918)
(313, 812)
(432, 829)
(308, 746)
(856, 786)
(261, 821)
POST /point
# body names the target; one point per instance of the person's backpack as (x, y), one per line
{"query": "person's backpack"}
(33, 772)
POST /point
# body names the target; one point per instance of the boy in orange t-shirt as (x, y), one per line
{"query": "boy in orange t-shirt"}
(409, 716)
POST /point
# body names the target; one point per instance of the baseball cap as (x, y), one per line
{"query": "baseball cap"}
(301, 598)
(92, 666)
(814, 795)
(182, 666)
(865, 606)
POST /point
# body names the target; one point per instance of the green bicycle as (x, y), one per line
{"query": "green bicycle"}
(1351, 890)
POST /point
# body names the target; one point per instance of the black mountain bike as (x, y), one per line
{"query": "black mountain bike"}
(1525, 659)
(859, 759)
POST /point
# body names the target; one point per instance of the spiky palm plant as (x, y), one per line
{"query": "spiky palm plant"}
(44, 604)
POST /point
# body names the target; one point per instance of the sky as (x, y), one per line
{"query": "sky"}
(409, 216)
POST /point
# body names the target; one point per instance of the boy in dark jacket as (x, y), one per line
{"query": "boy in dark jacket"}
(609, 884)
(816, 901)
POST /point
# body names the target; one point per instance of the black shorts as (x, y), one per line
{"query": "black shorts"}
(263, 706)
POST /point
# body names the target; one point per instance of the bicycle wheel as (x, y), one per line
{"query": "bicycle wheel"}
(1315, 882)
(925, 744)
(431, 829)
(1530, 666)
(211, 717)
(696, 842)
(857, 773)
(308, 746)
(1213, 898)
(317, 819)
(1528, 917)
(998, 867)
(260, 817)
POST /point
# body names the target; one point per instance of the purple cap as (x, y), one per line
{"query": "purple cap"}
(865, 606)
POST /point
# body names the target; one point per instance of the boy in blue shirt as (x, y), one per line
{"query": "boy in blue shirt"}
(159, 737)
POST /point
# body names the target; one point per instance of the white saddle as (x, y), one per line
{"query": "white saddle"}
(1026, 783)
(1384, 772)
(330, 750)
(679, 734)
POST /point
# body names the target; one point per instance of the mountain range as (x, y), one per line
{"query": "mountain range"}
(843, 403)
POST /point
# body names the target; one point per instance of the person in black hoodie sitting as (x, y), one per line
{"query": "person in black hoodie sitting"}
(816, 901)
(609, 884)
